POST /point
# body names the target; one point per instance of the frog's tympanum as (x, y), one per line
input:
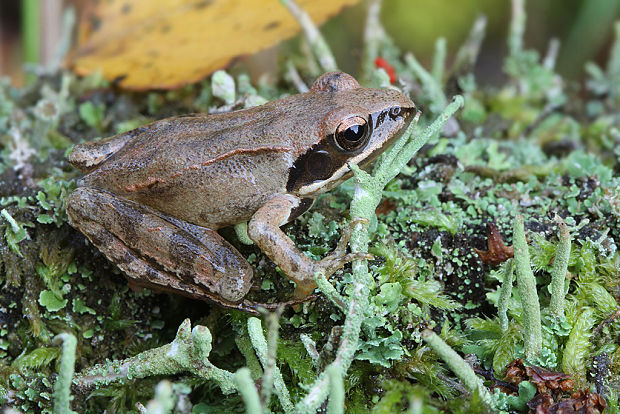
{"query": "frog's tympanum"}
(153, 198)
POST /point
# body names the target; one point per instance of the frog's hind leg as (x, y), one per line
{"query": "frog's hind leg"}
(160, 252)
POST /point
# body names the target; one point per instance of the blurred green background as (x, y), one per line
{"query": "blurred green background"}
(584, 28)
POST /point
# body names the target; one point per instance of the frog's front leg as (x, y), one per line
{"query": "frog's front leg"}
(158, 251)
(264, 230)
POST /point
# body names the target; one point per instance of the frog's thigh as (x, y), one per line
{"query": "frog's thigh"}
(156, 251)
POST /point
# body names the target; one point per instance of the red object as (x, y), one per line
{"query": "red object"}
(383, 64)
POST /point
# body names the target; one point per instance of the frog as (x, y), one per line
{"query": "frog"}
(153, 199)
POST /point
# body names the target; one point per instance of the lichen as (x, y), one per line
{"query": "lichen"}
(527, 147)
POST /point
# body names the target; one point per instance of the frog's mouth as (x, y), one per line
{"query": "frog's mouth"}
(323, 168)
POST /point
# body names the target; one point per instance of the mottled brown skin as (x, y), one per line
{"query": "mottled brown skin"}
(154, 197)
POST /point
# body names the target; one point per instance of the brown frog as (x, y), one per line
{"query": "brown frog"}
(154, 197)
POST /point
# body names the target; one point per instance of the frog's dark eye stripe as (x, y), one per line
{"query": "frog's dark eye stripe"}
(351, 134)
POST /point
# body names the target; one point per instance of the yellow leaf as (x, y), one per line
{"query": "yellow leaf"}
(147, 44)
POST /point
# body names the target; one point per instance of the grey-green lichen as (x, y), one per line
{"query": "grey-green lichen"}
(528, 147)
(188, 352)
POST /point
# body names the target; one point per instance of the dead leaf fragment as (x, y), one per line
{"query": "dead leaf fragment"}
(497, 252)
(549, 380)
(552, 388)
(581, 402)
(148, 44)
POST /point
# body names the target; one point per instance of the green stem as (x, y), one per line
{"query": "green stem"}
(439, 60)
(458, 365)
(336, 391)
(163, 402)
(560, 267)
(272, 347)
(367, 196)
(373, 36)
(245, 347)
(578, 344)
(247, 389)
(255, 330)
(9, 218)
(468, 53)
(526, 284)
(62, 388)
(505, 293)
(330, 291)
(310, 346)
(517, 28)
(30, 33)
(188, 352)
(429, 84)
(321, 50)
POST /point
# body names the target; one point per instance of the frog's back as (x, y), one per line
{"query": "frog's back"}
(210, 170)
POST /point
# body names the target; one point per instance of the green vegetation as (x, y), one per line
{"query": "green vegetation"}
(532, 157)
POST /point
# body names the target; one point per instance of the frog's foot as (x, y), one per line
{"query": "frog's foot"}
(333, 261)
(264, 230)
(160, 252)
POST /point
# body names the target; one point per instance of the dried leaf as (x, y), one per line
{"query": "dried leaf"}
(148, 44)
(515, 372)
(549, 380)
(497, 251)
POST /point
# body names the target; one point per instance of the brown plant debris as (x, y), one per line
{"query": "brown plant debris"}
(497, 251)
(553, 388)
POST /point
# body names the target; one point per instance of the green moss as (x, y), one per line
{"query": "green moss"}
(506, 154)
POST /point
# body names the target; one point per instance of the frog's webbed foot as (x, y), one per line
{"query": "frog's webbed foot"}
(160, 252)
(264, 229)
(337, 258)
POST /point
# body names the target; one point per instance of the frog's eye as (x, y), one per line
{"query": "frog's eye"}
(351, 134)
